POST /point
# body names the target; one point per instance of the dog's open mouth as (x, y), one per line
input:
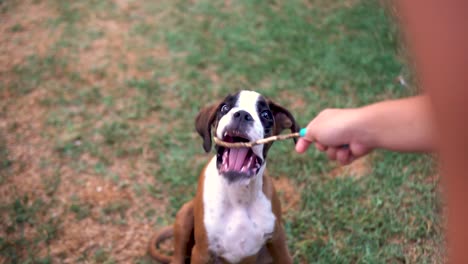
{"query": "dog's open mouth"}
(237, 161)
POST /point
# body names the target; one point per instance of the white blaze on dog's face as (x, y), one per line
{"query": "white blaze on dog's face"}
(243, 117)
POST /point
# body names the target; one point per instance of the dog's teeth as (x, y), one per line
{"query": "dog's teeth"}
(244, 169)
(250, 161)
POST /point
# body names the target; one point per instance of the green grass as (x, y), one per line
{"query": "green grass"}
(81, 210)
(128, 121)
(18, 216)
(5, 164)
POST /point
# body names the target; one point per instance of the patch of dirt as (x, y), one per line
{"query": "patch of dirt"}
(357, 169)
(23, 123)
(328, 6)
(430, 249)
(293, 100)
(100, 192)
(29, 151)
(123, 242)
(23, 33)
(212, 75)
(171, 100)
(169, 80)
(115, 56)
(83, 238)
(289, 193)
(126, 5)
(31, 143)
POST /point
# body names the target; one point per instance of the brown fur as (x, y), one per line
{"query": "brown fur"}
(203, 123)
(190, 238)
(156, 239)
(275, 250)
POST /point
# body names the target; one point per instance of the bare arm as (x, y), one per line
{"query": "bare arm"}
(437, 34)
(399, 125)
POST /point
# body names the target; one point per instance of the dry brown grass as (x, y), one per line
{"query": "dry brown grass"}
(30, 142)
(289, 194)
(23, 33)
(357, 169)
(108, 48)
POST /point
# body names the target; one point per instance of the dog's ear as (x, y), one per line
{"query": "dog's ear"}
(203, 123)
(283, 119)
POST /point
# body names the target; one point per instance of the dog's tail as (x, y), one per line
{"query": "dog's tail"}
(158, 237)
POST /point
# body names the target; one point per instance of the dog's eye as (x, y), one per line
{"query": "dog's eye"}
(224, 109)
(266, 115)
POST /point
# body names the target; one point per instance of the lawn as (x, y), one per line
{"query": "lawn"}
(97, 143)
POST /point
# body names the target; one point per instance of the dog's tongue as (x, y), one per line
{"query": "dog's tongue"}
(237, 158)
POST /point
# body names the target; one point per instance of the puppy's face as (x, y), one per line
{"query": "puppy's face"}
(243, 117)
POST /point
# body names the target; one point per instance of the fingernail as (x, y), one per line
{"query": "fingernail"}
(302, 132)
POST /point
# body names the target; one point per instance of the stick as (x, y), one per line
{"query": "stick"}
(254, 143)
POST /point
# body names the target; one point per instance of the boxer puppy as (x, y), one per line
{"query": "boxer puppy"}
(235, 216)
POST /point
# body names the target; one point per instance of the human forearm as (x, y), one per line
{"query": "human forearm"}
(400, 125)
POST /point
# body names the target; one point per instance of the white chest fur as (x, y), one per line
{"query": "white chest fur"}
(238, 217)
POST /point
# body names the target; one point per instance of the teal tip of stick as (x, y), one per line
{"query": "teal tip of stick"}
(302, 132)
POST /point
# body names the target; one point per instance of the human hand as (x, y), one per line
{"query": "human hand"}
(334, 128)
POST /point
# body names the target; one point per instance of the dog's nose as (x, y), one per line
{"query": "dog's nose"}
(242, 115)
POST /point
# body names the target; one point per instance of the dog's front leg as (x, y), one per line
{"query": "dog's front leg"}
(278, 248)
(183, 233)
(199, 256)
(249, 260)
